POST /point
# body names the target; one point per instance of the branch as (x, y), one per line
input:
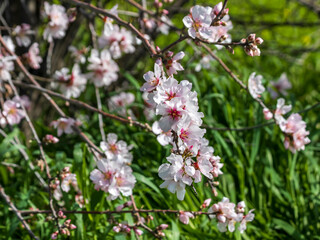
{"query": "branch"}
(86, 106)
(121, 22)
(17, 212)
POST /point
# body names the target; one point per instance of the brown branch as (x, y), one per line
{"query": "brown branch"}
(121, 22)
(17, 212)
(86, 106)
(110, 212)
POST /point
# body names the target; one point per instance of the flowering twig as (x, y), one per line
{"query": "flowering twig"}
(17, 212)
(85, 105)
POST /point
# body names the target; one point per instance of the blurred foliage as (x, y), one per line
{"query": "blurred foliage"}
(283, 188)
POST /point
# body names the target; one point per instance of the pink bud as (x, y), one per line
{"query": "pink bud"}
(252, 37)
(206, 203)
(67, 222)
(120, 207)
(63, 231)
(163, 226)
(72, 226)
(54, 235)
(61, 215)
(116, 229)
(128, 204)
(267, 114)
(169, 54)
(165, 11)
(138, 231)
(259, 41)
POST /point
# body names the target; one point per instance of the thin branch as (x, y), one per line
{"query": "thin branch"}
(121, 22)
(86, 106)
(17, 212)
(103, 135)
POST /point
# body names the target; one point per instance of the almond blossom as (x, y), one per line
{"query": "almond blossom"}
(118, 150)
(118, 41)
(71, 85)
(255, 85)
(198, 22)
(63, 125)
(281, 86)
(103, 68)
(172, 63)
(22, 33)
(184, 217)
(58, 22)
(6, 66)
(12, 113)
(113, 178)
(153, 79)
(119, 104)
(33, 57)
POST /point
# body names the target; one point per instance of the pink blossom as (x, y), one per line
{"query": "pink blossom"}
(103, 68)
(33, 57)
(113, 177)
(63, 125)
(12, 113)
(280, 86)
(153, 79)
(24, 100)
(78, 54)
(138, 231)
(247, 218)
(6, 66)
(198, 22)
(69, 179)
(118, 41)
(184, 217)
(118, 150)
(120, 103)
(108, 26)
(71, 85)
(281, 110)
(255, 85)
(58, 22)
(206, 203)
(164, 138)
(172, 64)
(22, 32)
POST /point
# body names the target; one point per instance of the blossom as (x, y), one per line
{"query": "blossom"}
(184, 217)
(255, 85)
(78, 54)
(281, 110)
(198, 22)
(6, 66)
(63, 125)
(247, 218)
(164, 138)
(108, 27)
(12, 113)
(113, 177)
(71, 85)
(119, 103)
(172, 65)
(117, 150)
(22, 100)
(176, 175)
(8, 41)
(103, 68)
(58, 22)
(153, 79)
(50, 139)
(119, 41)
(164, 24)
(33, 57)
(69, 179)
(22, 32)
(205, 62)
(280, 86)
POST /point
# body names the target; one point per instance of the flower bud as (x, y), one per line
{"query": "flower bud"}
(206, 203)
(259, 41)
(221, 218)
(215, 207)
(72, 226)
(267, 114)
(163, 226)
(252, 37)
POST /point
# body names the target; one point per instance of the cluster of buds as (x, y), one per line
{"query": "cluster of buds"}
(48, 139)
(125, 228)
(251, 45)
(65, 229)
(160, 228)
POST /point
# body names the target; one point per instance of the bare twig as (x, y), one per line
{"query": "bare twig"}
(17, 212)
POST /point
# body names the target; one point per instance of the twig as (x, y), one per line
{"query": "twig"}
(85, 105)
(103, 135)
(17, 212)
(42, 153)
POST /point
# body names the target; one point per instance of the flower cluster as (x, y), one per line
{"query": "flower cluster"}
(65, 228)
(251, 45)
(125, 228)
(58, 22)
(33, 57)
(179, 126)
(228, 214)
(117, 40)
(294, 127)
(114, 175)
(208, 24)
